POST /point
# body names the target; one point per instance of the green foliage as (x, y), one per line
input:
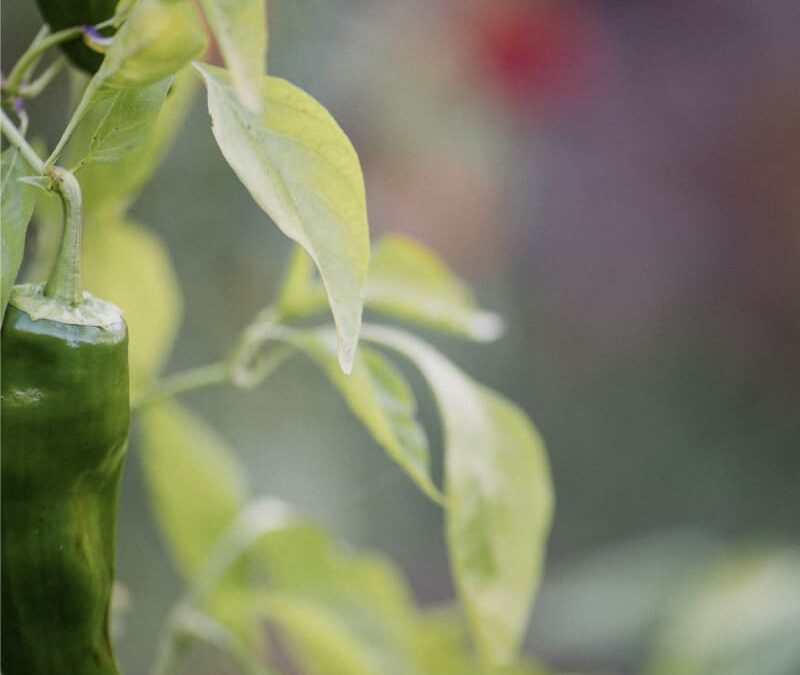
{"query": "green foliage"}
(197, 488)
(17, 207)
(128, 119)
(378, 395)
(60, 14)
(338, 610)
(248, 561)
(302, 170)
(327, 604)
(406, 281)
(157, 40)
(410, 282)
(499, 497)
(240, 29)
(111, 186)
(130, 265)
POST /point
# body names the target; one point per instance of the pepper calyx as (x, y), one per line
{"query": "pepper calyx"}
(91, 311)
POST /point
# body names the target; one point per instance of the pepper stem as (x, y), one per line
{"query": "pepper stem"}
(65, 279)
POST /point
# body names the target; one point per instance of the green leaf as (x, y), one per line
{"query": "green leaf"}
(442, 644)
(240, 29)
(128, 264)
(741, 617)
(195, 482)
(158, 38)
(222, 584)
(128, 119)
(17, 207)
(156, 41)
(406, 281)
(379, 397)
(343, 612)
(410, 282)
(499, 496)
(110, 186)
(302, 170)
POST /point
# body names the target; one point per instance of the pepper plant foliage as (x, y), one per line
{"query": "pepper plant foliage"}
(338, 611)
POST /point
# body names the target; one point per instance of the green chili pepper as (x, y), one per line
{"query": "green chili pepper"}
(65, 419)
(68, 13)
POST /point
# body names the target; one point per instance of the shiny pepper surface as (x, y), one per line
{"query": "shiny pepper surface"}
(65, 420)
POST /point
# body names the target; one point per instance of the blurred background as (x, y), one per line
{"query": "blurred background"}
(621, 180)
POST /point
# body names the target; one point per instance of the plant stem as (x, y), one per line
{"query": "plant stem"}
(16, 139)
(33, 89)
(190, 380)
(65, 279)
(31, 56)
(38, 47)
(74, 121)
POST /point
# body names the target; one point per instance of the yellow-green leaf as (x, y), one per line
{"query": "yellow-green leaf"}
(127, 121)
(406, 281)
(195, 482)
(410, 282)
(240, 28)
(379, 397)
(17, 207)
(110, 186)
(158, 38)
(499, 497)
(302, 170)
(342, 611)
(128, 264)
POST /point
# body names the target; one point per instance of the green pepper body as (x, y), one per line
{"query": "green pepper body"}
(61, 14)
(65, 421)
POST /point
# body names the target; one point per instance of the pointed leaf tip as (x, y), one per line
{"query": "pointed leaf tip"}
(301, 169)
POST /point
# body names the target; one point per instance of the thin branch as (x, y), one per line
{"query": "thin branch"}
(33, 89)
(202, 377)
(16, 139)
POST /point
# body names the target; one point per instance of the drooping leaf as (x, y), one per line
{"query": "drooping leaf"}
(129, 118)
(195, 482)
(410, 282)
(302, 170)
(741, 617)
(17, 207)
(379, 397)
(240, 28)
(406, 281)
(499, 496)
(128, 264)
